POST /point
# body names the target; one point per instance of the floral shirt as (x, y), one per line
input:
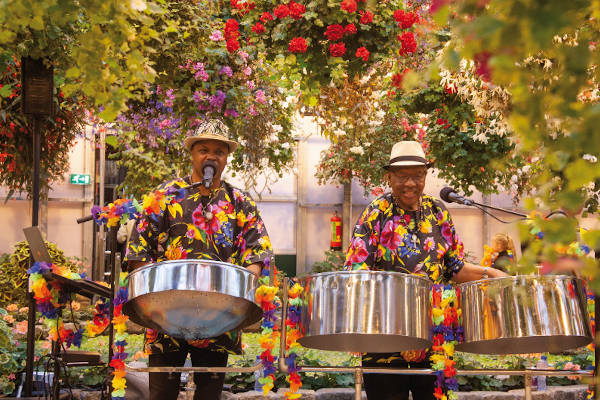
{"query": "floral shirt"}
(225, 227)
(422, 242)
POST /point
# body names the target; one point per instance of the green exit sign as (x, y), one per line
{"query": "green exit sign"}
(81, 179)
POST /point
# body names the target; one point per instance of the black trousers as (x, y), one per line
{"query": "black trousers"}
(165, 386)
(397, 387)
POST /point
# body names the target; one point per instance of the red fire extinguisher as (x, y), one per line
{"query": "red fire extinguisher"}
(336, 232)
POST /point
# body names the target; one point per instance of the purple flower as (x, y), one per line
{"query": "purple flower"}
(226, 70)
(217, 100)
(250, 85)
(199, 96)
(230, 112)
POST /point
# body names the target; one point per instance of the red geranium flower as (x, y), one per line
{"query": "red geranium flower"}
(397, 79)
(266, 16)
(334, 32)
(409, 44)
(366, 17)
(298, 45)
(363, 53)
(405, 19)
(350, 29)
(258, 28)
(349, 6)
(337, 49)
(281, 11)
(296, 10)
(232, 45)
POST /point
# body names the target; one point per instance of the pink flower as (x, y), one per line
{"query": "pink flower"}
(358, 250)
(389, 237)
(12, 307)
(21, 328)
(260, 96)
(216, 36)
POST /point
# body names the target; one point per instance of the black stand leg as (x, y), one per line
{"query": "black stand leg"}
(34, 222)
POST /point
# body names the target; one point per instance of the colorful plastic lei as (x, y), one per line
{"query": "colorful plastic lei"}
(51, 298)
(446, 317)
(293, 334)
(153, 203)
(591, 312)
(266, 296)
(119, 356)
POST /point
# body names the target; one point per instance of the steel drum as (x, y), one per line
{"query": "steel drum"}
(365, 311)
(524, 314)
(192, 299)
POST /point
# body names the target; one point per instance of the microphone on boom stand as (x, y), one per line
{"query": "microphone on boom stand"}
(449, 195)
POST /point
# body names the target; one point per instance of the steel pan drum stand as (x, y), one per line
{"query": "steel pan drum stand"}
(359, 371)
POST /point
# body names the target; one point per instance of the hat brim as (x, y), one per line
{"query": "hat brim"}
(408, 164)
(189, 142)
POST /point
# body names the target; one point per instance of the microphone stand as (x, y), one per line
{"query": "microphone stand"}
(474, 203)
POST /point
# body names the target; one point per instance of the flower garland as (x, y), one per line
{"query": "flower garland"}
(51, 298)
(591, 303)
(446, 317)
(490, 256)
(266, 296)
(119, 322)
(119, 211)
(293, 334)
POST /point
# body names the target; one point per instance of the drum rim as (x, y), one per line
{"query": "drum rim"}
(517, 277)
(370, 272)
(189, 261)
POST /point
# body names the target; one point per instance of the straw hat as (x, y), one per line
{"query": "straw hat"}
(213, 129)
(407, 153)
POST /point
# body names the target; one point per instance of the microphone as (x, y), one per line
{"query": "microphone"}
(449, 195)
(208, 171)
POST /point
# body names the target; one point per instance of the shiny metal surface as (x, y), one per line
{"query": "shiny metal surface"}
(192, 299)
(524, 314)
(365, 311)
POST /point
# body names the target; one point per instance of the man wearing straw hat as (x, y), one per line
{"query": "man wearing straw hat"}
(409, 232)
(218, 222)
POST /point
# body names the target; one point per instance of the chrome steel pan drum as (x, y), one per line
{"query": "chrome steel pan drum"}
(366, 311)
(524, 314)
(192, 299)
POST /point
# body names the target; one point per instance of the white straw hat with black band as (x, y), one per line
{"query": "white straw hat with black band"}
(407, 153)
(212, 129)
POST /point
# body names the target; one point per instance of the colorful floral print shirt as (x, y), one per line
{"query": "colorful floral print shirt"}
(422, 242)
(225, 227)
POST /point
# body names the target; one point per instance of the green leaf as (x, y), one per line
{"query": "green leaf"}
(112, 141)
(5, 90)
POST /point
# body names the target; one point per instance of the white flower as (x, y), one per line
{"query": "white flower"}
(339, 132)
(276, 152)
(277, 128)
(285, 145)
(526, 169)
(138, 5)
(357, 150)
(590, 158)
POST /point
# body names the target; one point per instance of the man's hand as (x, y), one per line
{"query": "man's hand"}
(133, 265)
(255, 268)
(471, 272)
